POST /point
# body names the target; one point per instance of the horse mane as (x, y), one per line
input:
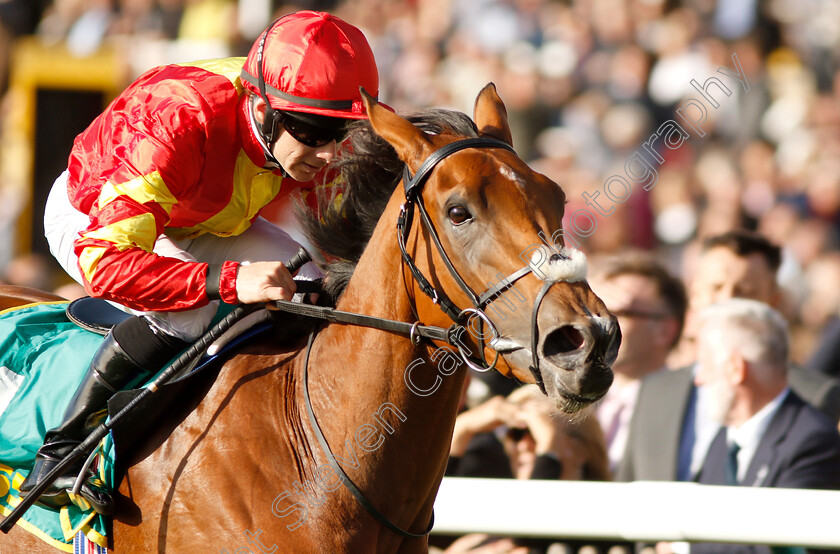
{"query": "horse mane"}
(370, 170)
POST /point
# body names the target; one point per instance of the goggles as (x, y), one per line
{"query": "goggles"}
(315, 134)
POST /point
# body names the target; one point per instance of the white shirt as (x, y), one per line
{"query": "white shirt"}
(704, 430)
(748, 436)
(614, 414)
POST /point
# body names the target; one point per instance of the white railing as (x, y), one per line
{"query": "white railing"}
(638, 511)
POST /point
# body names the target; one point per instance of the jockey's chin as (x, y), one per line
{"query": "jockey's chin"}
(304, 172)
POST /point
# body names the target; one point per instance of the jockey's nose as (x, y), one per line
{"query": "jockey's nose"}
(327, 151)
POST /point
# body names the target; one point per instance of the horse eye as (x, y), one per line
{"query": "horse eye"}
(459, 214)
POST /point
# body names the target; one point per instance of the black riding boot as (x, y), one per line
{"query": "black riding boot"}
(111, 370)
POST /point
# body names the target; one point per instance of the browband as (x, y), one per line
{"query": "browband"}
(412, 183)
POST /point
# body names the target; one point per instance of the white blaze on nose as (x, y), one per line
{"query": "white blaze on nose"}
(569, 266)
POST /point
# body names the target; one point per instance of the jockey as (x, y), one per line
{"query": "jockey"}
(160, 202)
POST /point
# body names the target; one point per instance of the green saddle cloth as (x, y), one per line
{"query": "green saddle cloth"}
(43, 358)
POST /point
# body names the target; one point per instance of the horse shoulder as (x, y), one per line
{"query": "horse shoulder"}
(12, 296)
(20, 540)
(222, 468)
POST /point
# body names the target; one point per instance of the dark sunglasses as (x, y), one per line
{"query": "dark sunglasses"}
(313, 135)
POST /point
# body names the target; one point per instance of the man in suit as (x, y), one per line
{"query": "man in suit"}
(770, 437)
(650, 305)
(669, 433)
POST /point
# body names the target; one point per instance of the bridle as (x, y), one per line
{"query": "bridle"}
(413, 198)
(413, 188)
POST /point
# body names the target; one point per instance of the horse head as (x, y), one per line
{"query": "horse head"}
(487, 216)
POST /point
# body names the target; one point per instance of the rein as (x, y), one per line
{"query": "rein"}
(345, 479)
(415, 330)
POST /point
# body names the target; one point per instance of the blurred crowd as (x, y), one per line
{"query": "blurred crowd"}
(586, 83)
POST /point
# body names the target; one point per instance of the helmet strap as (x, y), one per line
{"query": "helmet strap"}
(270, 127)
(266, 146)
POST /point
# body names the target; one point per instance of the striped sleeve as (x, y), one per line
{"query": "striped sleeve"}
(144, 152)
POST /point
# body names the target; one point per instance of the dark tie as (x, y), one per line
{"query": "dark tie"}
(732, 463)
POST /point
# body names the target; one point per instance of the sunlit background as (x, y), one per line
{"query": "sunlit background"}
(589, 86)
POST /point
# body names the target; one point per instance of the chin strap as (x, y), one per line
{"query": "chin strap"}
(271, 162)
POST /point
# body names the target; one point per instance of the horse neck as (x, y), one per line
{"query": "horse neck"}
(364, 369)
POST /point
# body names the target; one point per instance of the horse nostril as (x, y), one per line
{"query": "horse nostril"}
(562, 340)
(613, 335)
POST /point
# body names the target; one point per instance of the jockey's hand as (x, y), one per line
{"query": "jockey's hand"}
(264, 282)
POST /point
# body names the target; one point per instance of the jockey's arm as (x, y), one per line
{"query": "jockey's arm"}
(118, 264)
(152, 153)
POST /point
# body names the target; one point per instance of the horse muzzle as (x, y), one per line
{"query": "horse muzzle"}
(575, 362)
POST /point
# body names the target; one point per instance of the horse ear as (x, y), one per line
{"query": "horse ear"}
(408, 141)
(491, 116)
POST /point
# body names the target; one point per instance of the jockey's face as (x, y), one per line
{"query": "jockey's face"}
(300, 161)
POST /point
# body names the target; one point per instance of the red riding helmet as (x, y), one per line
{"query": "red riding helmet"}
(312, 62)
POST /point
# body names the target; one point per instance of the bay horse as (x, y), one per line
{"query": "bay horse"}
(246, 471)
(12, 296)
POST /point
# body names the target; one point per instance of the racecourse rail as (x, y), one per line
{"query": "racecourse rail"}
(638, 511)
